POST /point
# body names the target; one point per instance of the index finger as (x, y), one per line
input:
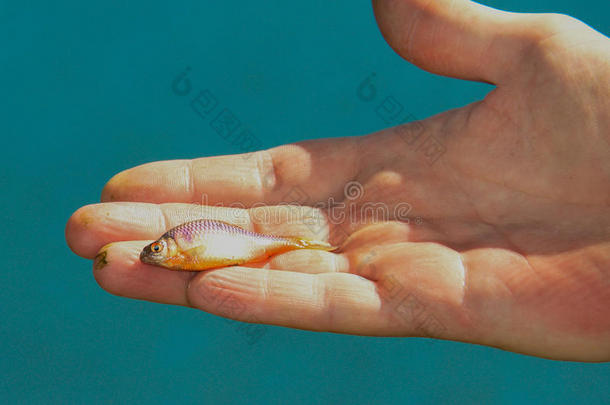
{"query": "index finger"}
(305, 173)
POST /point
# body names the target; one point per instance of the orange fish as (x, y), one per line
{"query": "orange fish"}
(206, 244)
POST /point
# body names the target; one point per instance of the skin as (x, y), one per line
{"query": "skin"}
(511, 246)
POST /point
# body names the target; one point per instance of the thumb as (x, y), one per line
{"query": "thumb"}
(455, 38)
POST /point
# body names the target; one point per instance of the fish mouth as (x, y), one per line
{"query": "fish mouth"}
(146, 256)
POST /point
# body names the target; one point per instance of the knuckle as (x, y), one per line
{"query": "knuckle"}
(267, 170)
(541, 39)
(547, 28)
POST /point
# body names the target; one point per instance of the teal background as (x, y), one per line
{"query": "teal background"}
(86, 93)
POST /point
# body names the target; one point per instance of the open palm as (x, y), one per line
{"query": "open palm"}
(487, 224)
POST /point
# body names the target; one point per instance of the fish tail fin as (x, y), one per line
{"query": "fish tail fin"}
(313, 244)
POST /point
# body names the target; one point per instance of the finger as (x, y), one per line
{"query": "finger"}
(347, 305)
(456, 38)
(94, 226)
(305, 173)
(117, 269)
(310, 261)
(336, 302)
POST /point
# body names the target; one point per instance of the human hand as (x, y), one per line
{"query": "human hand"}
(513, 248)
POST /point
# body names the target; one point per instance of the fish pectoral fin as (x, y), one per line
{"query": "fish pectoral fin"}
(197, 251)
(200, 260)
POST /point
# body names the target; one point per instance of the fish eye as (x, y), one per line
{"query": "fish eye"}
(156, 247)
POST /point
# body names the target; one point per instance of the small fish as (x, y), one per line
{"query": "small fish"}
(206, 244)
